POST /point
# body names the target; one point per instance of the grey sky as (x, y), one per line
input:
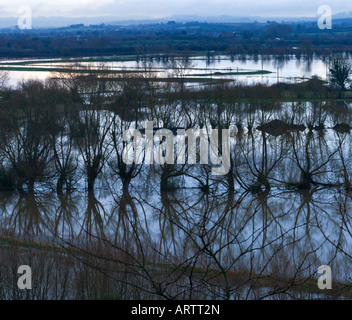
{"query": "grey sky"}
(127, 9)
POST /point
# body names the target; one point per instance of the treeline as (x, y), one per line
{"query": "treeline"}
(232, 38)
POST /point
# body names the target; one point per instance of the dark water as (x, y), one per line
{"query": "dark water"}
(281, 212)
(284, 69)
(165, 231)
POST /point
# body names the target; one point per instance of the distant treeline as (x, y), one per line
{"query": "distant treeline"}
(300, 38)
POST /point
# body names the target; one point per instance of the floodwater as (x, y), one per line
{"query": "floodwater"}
(281, 234)
(177, 231)
(287, 69)
(201, 238)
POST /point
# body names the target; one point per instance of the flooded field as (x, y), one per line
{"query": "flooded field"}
(93, 225)
(248, 69)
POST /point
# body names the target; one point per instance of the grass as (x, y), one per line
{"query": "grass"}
(256, 281)
(15, 67)
(240, 73)
(29, 66)
(27, 244)
(71, 60)
(67, 70)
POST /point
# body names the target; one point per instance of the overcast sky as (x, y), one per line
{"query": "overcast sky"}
(131, 9)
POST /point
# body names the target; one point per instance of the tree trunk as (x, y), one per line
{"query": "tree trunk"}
(59, 185)
(30, 186)
(306, 180)
(91, 176)
(164, 183)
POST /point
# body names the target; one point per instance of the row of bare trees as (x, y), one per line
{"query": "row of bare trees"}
(63, 128)
(197, 243)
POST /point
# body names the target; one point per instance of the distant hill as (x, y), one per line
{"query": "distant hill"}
(55, 22)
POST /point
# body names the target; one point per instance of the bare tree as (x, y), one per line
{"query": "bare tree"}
(340, 71)
(91, 131)
(26, 134)
(4, 77)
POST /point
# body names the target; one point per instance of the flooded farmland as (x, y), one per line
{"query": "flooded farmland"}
(73, 205)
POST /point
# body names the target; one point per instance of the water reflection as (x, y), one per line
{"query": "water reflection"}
(288, 66)
(174, 230)
(228, 236)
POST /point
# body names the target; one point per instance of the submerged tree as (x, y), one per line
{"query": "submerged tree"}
(4, 77)
(90, 132)
(25, 134)
(340, 71)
